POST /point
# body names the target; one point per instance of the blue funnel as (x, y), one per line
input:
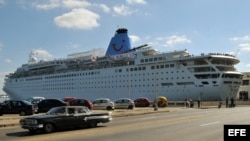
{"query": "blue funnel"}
(120, 43)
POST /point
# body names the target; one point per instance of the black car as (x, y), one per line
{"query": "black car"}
(20, 107)
(64, 117)
(46, 104)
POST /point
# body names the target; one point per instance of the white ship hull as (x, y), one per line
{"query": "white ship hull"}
(141, 73)
(108, 83)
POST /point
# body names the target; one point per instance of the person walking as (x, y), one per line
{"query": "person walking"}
(227, 102)
(199, 102)
(232, 102)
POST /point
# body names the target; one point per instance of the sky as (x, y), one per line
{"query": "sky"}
(56, 28)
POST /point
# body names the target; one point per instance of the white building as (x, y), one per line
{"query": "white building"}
(244, 91)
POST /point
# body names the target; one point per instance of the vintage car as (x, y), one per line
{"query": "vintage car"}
(64, 117)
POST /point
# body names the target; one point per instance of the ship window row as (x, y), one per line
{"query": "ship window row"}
(207, 76)
(245, 82)
(31, 79)
(162, 66)
(152, 59)
(86, 87)
(72, 75)
(136, 69)
(231, 76)
(65, 83)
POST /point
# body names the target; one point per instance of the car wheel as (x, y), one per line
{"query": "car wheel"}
(92, 124)
(22, 113)
(109, 108)
(130, 107)
(49, 127)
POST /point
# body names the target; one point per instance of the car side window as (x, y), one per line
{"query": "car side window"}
(71, 111)
(7, 104)
(14, 104)
(80, 111)
(61, 111)
(18, 104)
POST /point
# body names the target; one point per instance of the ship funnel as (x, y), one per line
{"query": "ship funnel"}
(120, 43)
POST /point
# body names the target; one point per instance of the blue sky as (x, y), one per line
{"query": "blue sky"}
(56, 28)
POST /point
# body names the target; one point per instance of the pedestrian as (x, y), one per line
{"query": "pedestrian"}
(191, 103)
(220, 103)
(232, 102)
(227, 102)
(156, 104)
(185, 102)
(199, 102)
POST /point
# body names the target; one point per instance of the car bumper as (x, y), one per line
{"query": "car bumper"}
(38, 126)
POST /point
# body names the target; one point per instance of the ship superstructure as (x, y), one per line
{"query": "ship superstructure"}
(128, 72)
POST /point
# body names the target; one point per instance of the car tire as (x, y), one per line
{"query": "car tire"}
(130, 107)
(92, 124)
(48, 128)
(109, 108)
(22, 113)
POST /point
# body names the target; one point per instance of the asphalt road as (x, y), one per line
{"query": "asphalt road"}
(184, 124)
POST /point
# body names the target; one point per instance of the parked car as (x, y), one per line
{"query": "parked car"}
(124, 103)
(64, 117)
(103, 104)
(81, 102)
(46, 104)
(142, 102)
(67, 99)
(20, 107)
(35, 99)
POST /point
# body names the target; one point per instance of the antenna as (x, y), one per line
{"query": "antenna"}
(237, 52)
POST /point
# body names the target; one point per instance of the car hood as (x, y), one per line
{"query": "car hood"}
(42, 116)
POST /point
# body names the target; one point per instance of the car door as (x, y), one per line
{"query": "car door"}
(97, 104)
(73, 118)
(62, 118)
(6, 107)
(119, 104)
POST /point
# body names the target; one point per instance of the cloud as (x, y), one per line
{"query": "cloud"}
(244, 38)
(2, 1)
(134, 38)
(243, 43)
(52, 4)
(78, 19)
(244, 47)
(136, 1)
(8, 61)
(174, 39)
(1, 46)
(104, 7)
(41, 54)
(75, 3)
(123, 10)
(248, 66)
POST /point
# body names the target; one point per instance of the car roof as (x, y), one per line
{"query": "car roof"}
(123, 98)
(102, 99)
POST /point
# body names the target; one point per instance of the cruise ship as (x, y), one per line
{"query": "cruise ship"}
(123, 71)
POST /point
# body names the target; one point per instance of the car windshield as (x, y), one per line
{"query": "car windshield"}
(57, 111)
(27, 102)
